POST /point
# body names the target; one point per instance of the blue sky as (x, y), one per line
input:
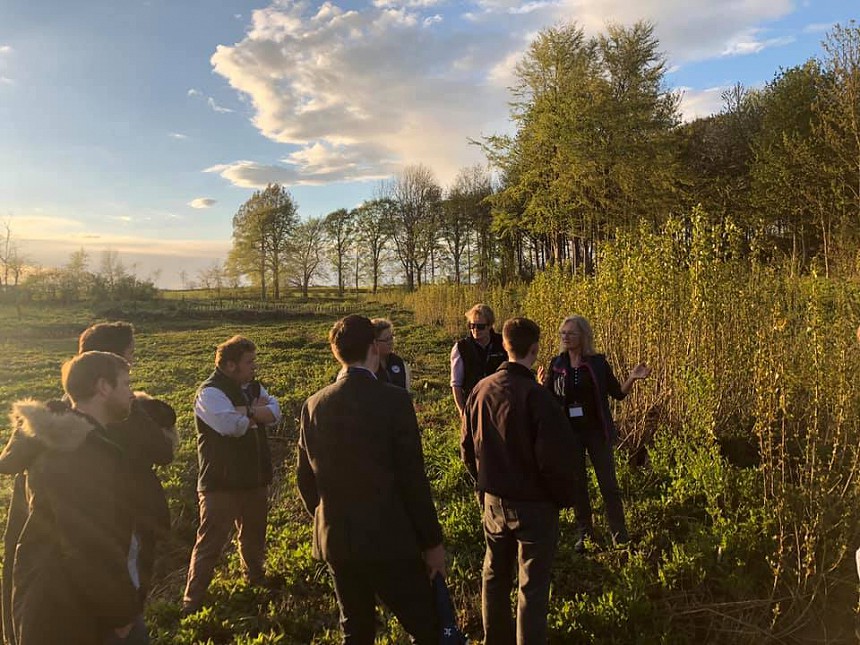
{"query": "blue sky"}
(117, 117)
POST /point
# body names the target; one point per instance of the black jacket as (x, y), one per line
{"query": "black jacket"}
(394, 371)
(232, 463)
(361, 473)
(515, 439)
(556, 379)
(148, 438)
(70, 580)
(478, 361)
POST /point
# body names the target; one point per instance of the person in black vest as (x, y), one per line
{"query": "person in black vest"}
(392, 368)
(582, 381)
(232, 411)
(476, 356)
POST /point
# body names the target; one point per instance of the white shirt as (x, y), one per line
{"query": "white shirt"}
(217, 411)
(458, 370)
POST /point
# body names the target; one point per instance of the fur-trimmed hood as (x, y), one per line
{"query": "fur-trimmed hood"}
(38, 426)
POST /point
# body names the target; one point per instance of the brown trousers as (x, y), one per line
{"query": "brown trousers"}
(219, 512)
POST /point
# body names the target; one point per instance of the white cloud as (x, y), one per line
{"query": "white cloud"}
(359, 92)
(5, 49)
(217, 108)
(818, 27)
(410, 4)
(749, 43)
(432, 20)
(213, 105)
(701, 103)
(178, 135)
(202, 202)
(5, 80)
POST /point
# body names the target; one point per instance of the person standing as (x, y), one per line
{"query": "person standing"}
(476, 356)
(515, 443)
(73, 579)
(148, 438)
(392, 368)
(360, 474)
(232, 410)
(582, 381)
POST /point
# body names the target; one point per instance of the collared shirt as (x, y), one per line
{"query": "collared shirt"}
(458, 368)
(345, 370)
(215, 410)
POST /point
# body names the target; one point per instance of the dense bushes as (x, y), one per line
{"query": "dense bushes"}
(743, 446)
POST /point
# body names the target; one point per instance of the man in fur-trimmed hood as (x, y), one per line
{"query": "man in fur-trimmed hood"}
(71, 580)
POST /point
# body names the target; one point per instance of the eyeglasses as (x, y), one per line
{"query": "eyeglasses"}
(478, 326)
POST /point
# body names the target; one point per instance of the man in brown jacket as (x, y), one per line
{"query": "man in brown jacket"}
(361, 476)
(515, 443)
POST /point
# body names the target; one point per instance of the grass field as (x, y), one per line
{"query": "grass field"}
(701, 568)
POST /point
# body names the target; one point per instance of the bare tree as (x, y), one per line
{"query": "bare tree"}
(9, 256)
(307, 249)
(339, 227)
(463, 207)
(416, 196)
(373, 231)
(212, 277)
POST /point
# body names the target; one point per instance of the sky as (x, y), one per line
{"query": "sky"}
(141, 126)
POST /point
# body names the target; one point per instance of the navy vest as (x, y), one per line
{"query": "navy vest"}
(478, 361)
(232, 463)
(394, 371)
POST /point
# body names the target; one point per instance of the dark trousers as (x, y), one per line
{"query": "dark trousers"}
(401, 585)
(594, 442)
(521, 535)
(219, 512)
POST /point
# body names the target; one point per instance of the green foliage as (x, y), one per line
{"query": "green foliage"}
(738, 463)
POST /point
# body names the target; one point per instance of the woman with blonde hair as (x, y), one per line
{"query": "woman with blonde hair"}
(582, 381)
(392, 368)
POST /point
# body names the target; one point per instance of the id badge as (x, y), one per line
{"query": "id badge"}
(574, 411)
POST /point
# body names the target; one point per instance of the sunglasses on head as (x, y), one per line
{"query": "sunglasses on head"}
(478, 326)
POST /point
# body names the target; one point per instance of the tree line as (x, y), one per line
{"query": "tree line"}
(598, 148)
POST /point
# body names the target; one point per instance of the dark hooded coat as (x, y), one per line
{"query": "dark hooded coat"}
(70, 581)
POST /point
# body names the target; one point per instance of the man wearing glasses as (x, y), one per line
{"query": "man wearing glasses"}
(476, 356)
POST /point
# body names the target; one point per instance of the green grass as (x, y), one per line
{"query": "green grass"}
(704, 547)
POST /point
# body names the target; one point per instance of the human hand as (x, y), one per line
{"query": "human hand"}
(435, 560)
(123, 632)
(641, 371)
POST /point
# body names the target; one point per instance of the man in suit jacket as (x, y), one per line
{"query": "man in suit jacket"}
(361, 476)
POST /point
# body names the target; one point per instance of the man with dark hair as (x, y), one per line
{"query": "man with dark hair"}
(148, 437)
(476, 356)
(114, 337)
(72, 582)
(232, 412)
(515, 444)
(361, 476)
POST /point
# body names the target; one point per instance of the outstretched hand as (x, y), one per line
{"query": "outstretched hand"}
(435, 560)
(641, 371)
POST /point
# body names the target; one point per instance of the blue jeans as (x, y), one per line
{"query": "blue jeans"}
(138, 635)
